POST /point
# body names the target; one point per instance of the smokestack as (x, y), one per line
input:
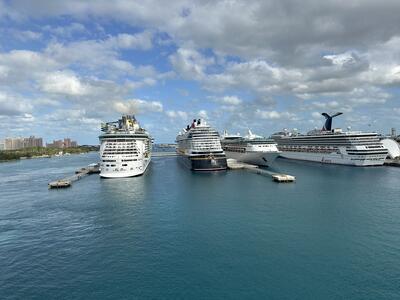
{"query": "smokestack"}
(328, 122)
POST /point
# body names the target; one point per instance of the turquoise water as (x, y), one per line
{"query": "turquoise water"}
(173, 234)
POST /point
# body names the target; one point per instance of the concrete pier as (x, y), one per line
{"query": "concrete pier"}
(278, 177)
(67, 182)
(164, 154)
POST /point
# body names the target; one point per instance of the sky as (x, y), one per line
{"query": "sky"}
(264, 65)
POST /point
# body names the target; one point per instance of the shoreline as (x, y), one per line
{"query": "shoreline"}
(23, 154)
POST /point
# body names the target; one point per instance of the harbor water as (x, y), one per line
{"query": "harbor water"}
(175, 234)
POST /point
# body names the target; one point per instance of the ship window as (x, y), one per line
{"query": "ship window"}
(124, 165)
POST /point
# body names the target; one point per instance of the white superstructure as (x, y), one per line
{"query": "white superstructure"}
(125, 149)
(333, 146)
(251, 149)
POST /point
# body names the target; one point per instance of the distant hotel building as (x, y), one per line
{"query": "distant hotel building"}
(33, 142)
(20, 143)
(15, 143)
(66, 143)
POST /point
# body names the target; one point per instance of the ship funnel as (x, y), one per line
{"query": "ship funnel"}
(328, 122)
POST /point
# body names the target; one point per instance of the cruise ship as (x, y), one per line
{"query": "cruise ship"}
(199, 147)
(125, 148)
(333, 146)
(251, 149)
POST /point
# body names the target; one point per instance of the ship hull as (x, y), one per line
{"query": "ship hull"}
(206, 162)
(339, 159)
(254, 157)
(119, 171)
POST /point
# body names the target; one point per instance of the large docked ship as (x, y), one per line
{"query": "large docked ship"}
(199, 147)
(333, 146)
(251, 149)
(125, 148)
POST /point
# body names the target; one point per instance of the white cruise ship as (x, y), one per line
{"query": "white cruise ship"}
(125, 148)
(199, 147)
(251, 149)
(333, 146)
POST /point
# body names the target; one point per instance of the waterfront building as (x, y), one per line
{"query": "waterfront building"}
(32, 141)
(67, 142)
(15, 143)
(60, 144)
(55, 144)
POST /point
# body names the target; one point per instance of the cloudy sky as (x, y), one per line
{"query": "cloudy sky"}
(66, 66)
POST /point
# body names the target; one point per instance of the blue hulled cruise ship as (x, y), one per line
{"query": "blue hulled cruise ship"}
(199, 147)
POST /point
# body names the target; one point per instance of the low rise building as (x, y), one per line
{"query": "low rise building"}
(66, 143)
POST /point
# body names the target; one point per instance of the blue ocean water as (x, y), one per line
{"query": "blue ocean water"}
(174, 234)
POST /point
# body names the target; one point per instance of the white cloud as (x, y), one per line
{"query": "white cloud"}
(341, 59)
(103, 57)
(4, 71)
(71, 120)
(316, 115)
(272, 115)
(229, 100)
(11, 105)
(91, 54)
(177, 114)
(18, 66)
(26, 35)
(65, 83)
(66, 31)
(141, 40)
(203, 114)
(189, 63)
(136, 106)
(257, 75)
(46, 102)
(249, 30)
(28, 59)
(327, 104)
